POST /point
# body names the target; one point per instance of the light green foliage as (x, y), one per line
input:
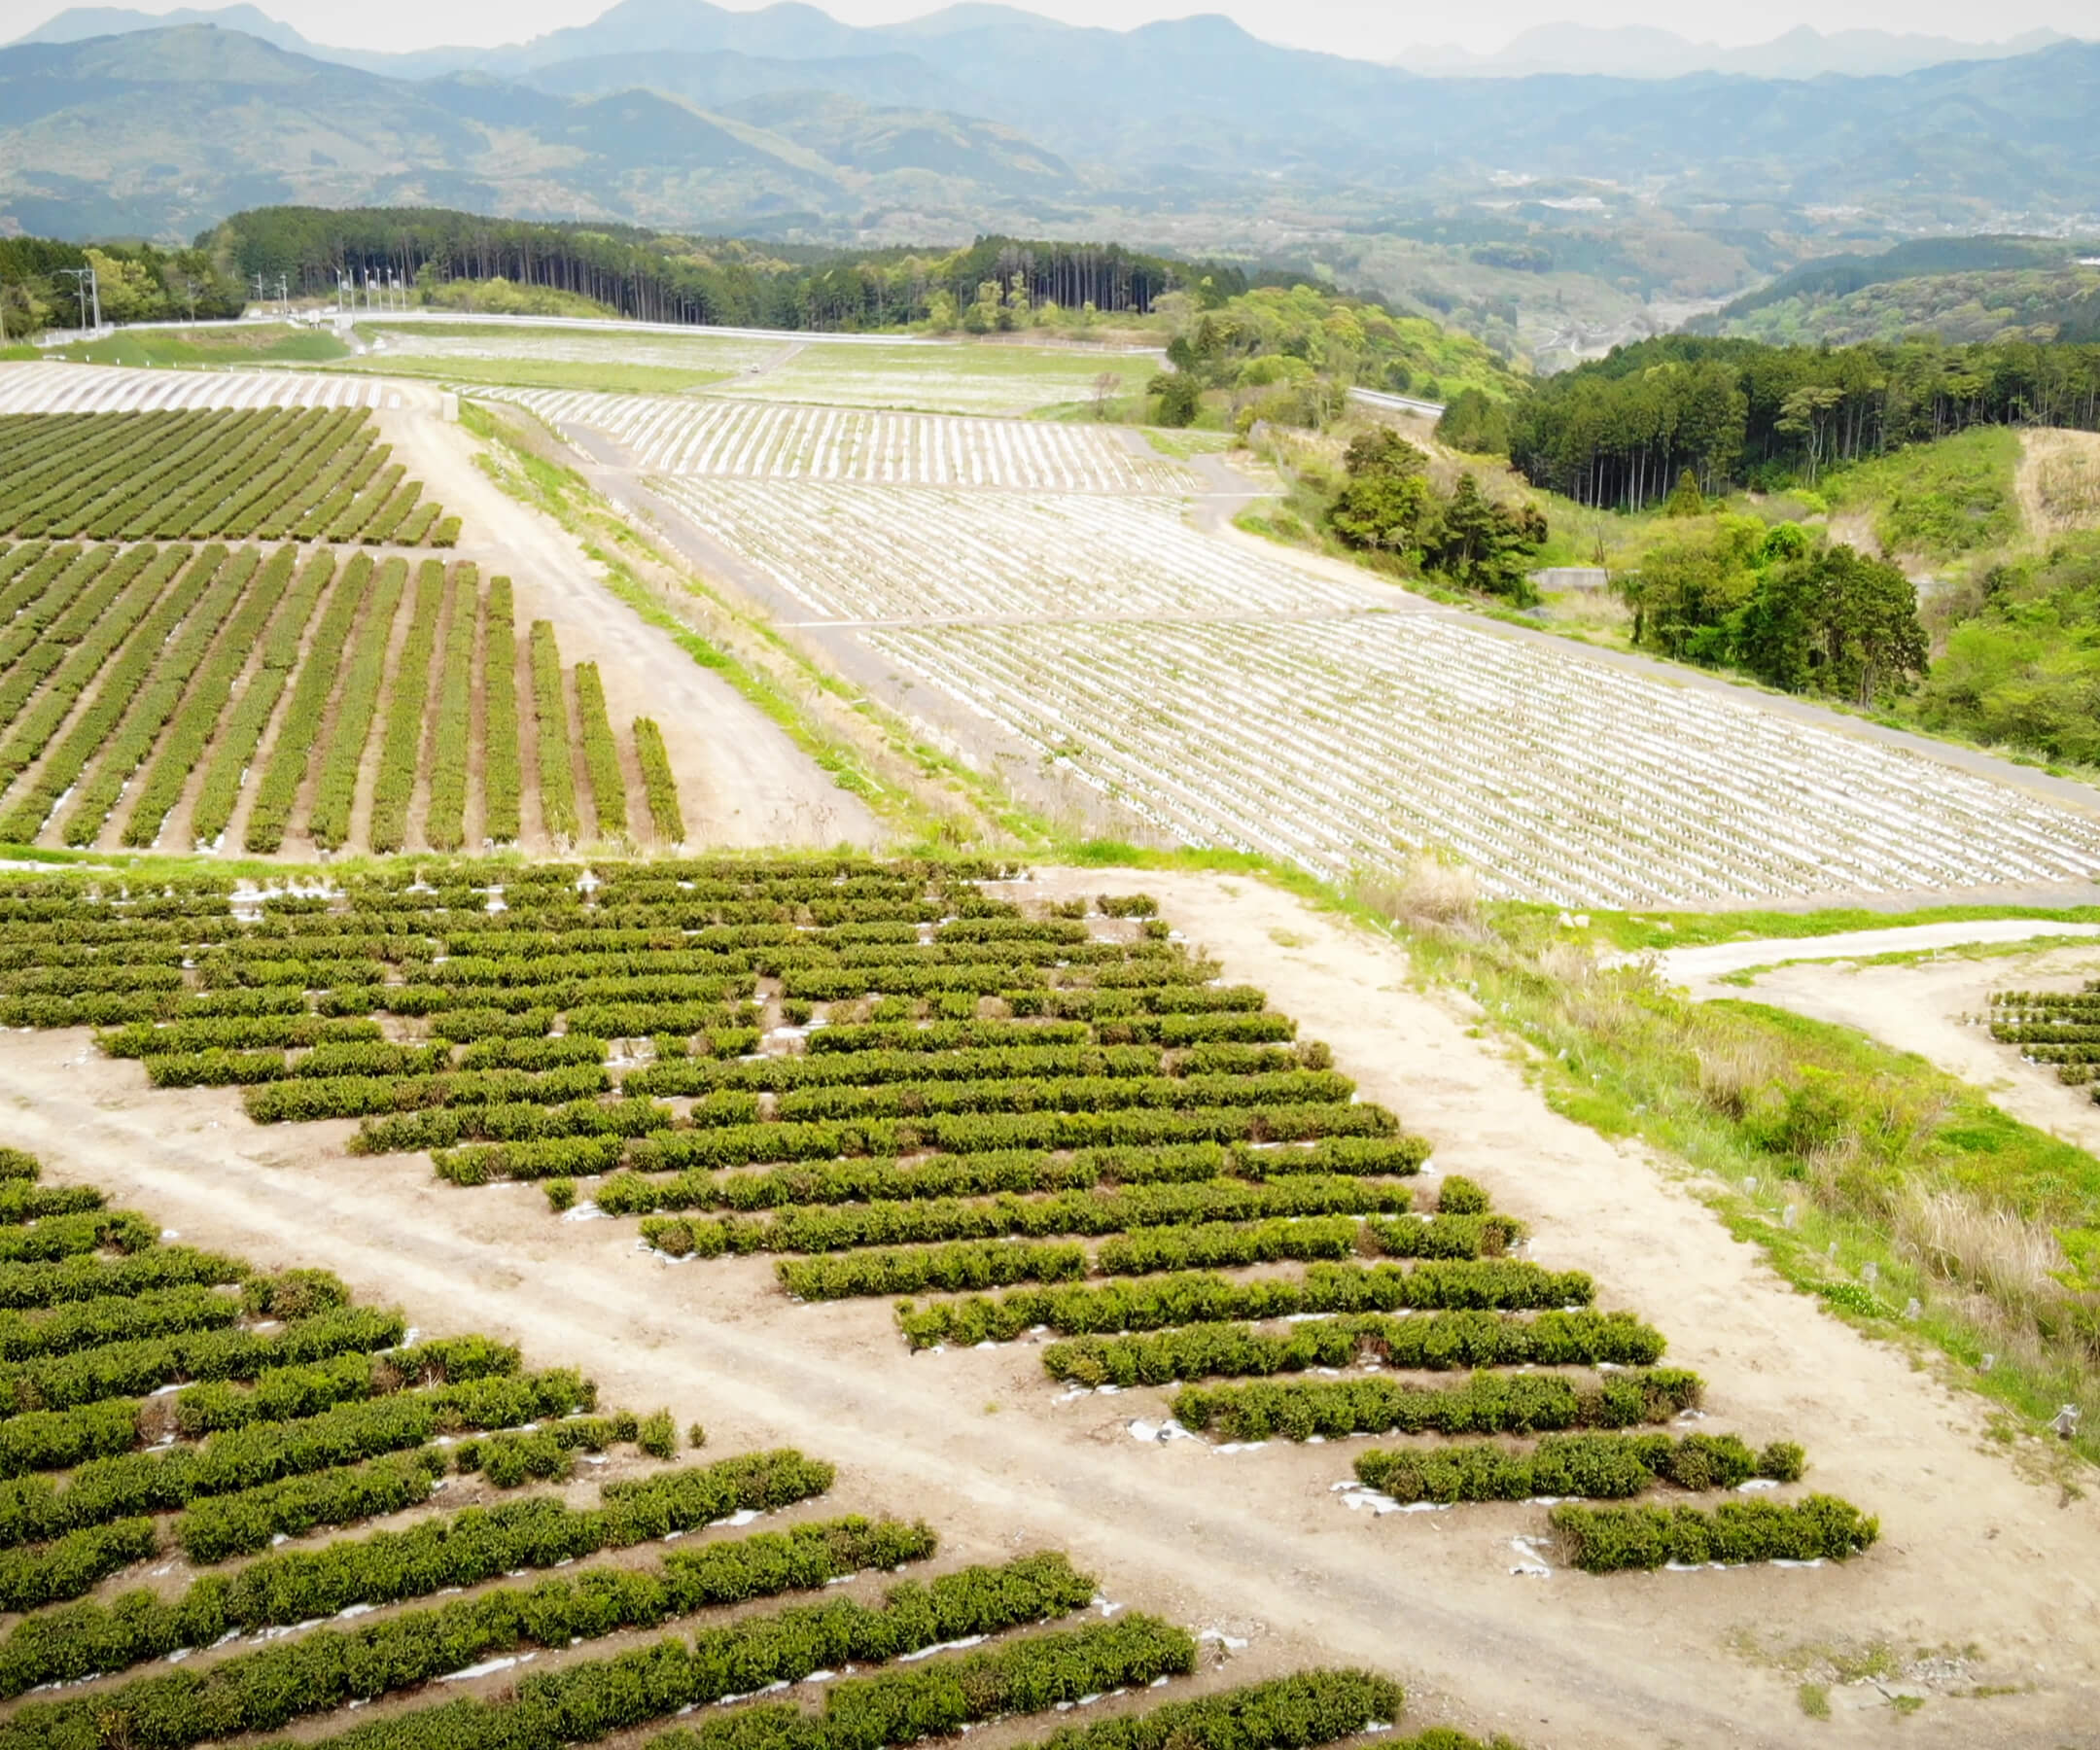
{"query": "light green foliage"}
(2025, 669)
(1939, 500)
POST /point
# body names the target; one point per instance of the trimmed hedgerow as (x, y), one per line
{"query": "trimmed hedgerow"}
(74, 1564)
(918, 1269)
(550, 712)
(658, 785)
(1298, 1712)
(444, 827)
(1602, 1540)
(267, 1689)
(340, 760)
(408, 696)
(502, 778)
(1594, 1466)
(32, 1508)
(1198, 1297)
(585, 1702)
(1434, 1342)
(836, 1228)
(601, 753)
(457, 1550)
(292, 752)
(1486, 1404)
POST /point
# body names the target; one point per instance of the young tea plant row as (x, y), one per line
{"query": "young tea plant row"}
(2061, 1028)
(252, 1354)
(896, 1082)
(253, 474)
(151, 691)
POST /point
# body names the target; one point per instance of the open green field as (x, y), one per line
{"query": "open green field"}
(987, 377)
(260, 343)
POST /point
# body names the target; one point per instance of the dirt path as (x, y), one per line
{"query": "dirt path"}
(1252, 1542)
(1929, 1008)
(1690, 965)
(741, 780)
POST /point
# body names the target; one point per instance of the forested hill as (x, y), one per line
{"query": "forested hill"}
(1620, 430)
(663, 277)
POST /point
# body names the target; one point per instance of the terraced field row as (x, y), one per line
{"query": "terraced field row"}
(1347, 745)
(160, 1400)
(58, 388)
(867, 553)
(2059, 1028)
(758, 440)
(269, 474)
(169, 695)
(893, 1083)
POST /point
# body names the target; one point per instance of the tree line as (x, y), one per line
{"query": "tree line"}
(652, 277)
(135, 282)
(1619, 431)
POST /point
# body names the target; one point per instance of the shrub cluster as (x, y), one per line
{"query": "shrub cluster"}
(292, 752)
(182, 748)
(33, 1508)
(658, 785)
(1435, 1341)
(407, 694)
(1602, 1540)
(458, 1549)
(601, 755)
(355, 706)
(501, 775)
(550, 713)
(1199, 1297)
(1594, 1466)
(585, 1702)
(266, 1689)
(1486, 1404)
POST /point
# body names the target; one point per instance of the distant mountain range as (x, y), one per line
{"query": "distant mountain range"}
(1642, 52)
(787, 123)
(798, 32)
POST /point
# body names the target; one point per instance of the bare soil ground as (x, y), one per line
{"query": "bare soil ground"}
(1931, 1007)
(741, 780)
(1995, 1570)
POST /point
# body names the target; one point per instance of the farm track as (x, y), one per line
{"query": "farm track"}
(1260, 1547)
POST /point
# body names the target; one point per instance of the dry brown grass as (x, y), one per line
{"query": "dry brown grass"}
(1732, 1072)
(2059, 481)
(1996, 1250)
(1431, 895)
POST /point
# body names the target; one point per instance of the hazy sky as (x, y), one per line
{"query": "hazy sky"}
(1374, 29)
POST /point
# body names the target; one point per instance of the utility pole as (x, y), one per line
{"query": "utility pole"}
(259, 288)
(284, 305)
(80, 277)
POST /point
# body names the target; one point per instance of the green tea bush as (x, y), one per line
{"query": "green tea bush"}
(1486, 1404)
(1602, 1540)
(1596, 1466)
(1434, 1342)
